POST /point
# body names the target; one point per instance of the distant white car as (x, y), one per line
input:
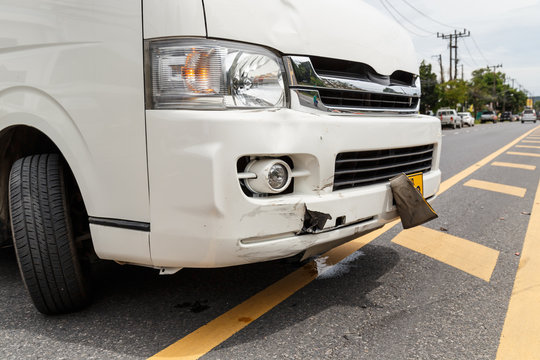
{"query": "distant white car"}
(528, 115)
(449, 117)
(466, 118)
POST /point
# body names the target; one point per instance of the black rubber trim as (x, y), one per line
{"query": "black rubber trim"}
(119, 223)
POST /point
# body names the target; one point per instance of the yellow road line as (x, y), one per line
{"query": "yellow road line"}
(468, 256)
(519, 338)
(531, 141)
(501, 188)
(204, 339)
(528, 146)
(468, 171)
(523, 154)
(513, 165)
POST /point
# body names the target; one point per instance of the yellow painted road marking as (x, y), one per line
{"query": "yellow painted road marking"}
(513, 165)
(204, 339)
(531, 141)
(528, 146)
(465, 255)
(523, 154)
(501, 188)
(468, 171)
(520, 334)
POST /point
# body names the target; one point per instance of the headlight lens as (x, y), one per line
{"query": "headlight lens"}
(212, 74)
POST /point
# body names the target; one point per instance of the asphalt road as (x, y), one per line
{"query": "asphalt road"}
(385, 301)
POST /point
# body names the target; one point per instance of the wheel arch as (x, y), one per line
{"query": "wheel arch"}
(23, 134)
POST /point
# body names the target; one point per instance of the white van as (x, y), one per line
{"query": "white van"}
(171, 134)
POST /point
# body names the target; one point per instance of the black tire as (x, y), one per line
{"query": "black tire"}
(43, 235)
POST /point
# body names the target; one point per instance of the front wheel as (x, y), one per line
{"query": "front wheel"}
(43, 235)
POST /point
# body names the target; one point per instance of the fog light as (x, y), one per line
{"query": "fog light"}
(273, 176)
(278, 176)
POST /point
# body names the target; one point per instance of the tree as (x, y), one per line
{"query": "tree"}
(454, 92)
(536, 106)
(430, 88)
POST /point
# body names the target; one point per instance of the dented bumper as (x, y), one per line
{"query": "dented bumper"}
(200, 217)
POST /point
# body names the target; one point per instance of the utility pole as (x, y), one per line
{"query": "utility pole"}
(494, 82)
(453, 45)
(439, 57)
(462, 75)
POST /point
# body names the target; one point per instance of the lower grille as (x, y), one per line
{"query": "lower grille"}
(354, 99)
(360, 168)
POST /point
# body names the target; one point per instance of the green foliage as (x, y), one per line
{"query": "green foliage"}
(486, 88)
(430, 89)
(454, 92)
(536, 106)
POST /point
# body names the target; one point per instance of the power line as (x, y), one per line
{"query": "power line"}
(407, 20)
(469, 52)
(480, 51)
(427, 16)
(399, 22)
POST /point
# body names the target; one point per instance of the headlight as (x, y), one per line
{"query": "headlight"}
(212, 74)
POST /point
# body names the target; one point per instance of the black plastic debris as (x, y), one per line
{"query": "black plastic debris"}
(314, 221)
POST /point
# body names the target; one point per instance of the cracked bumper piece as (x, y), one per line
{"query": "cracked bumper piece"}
(201, 217)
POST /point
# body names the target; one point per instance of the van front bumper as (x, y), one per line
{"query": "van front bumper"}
(200, 217)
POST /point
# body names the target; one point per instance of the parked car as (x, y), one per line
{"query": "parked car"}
(506, 116)
(488, 115)
(449, 117)
(466, 118)
(112, 145)
(528, 115)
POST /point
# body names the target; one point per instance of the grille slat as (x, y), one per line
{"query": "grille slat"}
(340, 172)
(362, 168)
(393, 156)
(375, 179)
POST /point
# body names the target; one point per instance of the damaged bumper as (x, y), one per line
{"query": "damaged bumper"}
(200, 217)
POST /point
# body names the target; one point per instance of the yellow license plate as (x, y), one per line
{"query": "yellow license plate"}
(418, 181)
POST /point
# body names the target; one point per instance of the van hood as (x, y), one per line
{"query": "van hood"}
(341, 29)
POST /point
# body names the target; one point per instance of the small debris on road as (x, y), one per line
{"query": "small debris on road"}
(443, 229)
(525, 213)
(501, 218)
(517, 254)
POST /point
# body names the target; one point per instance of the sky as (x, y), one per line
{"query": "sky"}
(503, 32)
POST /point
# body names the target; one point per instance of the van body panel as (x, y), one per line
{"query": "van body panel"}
(163, 18)
(74, 71)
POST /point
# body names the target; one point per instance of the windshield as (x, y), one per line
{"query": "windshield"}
(488, 112)
(528, 112)
(464, 114)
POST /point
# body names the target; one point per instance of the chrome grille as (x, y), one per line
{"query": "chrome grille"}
(349, 99)
(360, 168)
(343, 86)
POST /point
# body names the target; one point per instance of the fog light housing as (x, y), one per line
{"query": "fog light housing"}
(273, 176)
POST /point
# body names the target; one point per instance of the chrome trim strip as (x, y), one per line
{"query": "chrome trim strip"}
(306, 99)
